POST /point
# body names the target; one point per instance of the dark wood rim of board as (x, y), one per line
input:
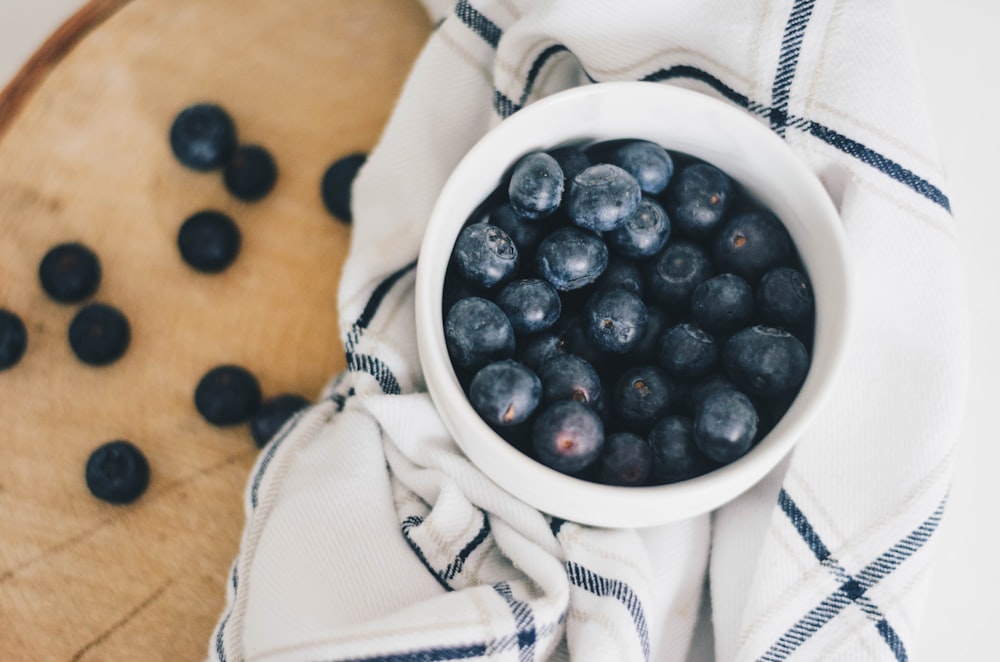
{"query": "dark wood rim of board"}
(17, 93)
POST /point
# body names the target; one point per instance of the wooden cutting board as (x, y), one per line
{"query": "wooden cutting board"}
(84, 156)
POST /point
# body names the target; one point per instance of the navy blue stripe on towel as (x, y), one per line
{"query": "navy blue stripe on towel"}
(604, 587)
(791, 44)
(524, 621)
(482, 26)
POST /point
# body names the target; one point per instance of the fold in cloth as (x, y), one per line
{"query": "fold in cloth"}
(369, 536)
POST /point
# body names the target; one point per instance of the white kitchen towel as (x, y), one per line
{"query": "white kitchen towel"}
(369, 536)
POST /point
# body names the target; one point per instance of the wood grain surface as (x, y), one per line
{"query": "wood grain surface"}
(84, 157)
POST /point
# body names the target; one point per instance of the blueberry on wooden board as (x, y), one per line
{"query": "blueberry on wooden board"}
(227, 395)
(117, 472)
(536, 185)
(251, 173)
(203, 137)
(625, 460)
(335, 187)
(13, 338)
(69, 272)
(273, 414)
(99, 334)
(567, 436)
(209, 241)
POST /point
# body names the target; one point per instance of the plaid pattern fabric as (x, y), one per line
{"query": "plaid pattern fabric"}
(369, 536)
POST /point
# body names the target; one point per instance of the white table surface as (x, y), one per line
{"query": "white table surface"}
(958, 49)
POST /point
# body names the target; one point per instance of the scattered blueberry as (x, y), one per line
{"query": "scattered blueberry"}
(335, 187)
(765, 361)
(203, 137)
(649, 163)
(725, 426)
(70, 272)
(642, 395)
(531, 305)
(687, 352)
(251, 173)
(626, 460)
(752, 243)
(477, 332)
(227, 395)
(536, 185)
(602, 197)
(485, 255)
(571, 258)
(568, 436)
(273, 414)
(675, 455)
(784, 298)
(644, 233)
(99, 334)
(615, 320)
(570, 377)
(209, 241)
(505, 392)
(722, 304)
(672, 275)
(117, 472)
(698, 199)
(13, 339)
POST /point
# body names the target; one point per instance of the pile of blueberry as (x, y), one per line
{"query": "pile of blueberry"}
(203, 138)
(627, 314)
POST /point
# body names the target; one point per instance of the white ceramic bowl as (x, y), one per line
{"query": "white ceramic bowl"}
(679, 120)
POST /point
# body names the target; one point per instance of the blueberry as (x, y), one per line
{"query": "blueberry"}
(646, 350)
(725, 426)
(570, 377)
(227, 395)
(722, 304)
(209, 241)
(251, 173)
(525, 233)
(602, 197)
(750, 244)
(536, 349)
(785, 299)
(571, 258)
(625, 460)
(455, 288)
(765, 361)
(687, 352)
(485, 255)
(117, 472)
(568, 436)
(649, 163)
(335, 187)
(505, 393)
(675, 455)
(621, 272)
(70, 272)
(531, 305)
(536, 185)
(575, 340)
(642, 395)
(644, 233)
(13, 339)
(615, 320)
(273, 414)
(203, 137)
(572, 160)
(99, 334)
(706, 387)
(672, 275)
(698, 199)
(477, 332)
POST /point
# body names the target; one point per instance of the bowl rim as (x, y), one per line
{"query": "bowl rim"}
(565, 495)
